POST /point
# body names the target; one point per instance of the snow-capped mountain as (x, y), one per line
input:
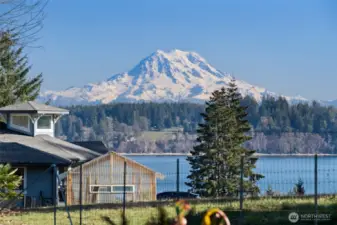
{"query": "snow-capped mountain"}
(163, 76)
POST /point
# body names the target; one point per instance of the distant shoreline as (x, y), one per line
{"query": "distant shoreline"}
(257, 154)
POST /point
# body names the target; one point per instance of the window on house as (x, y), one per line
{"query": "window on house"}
(20, 121)
(44, 122)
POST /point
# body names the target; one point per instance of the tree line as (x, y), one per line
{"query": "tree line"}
(273, 117)
(270, 116)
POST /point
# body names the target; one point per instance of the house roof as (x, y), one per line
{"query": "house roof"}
(50, 149)
(16, 153)
(97, 146)
(33, 107)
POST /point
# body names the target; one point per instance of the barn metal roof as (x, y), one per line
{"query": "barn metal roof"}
(33, 107)
(158, 175)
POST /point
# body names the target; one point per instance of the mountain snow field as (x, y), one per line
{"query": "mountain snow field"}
(173, 75)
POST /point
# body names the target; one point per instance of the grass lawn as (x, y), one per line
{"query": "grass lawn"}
(163, 134)
(261, 211)
(156, 135)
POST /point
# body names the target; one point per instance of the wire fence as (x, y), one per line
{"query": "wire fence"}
(90, 192)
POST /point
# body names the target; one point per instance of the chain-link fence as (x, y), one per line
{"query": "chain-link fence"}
(92, 193)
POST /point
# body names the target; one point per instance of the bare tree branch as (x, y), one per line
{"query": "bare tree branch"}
(22, 18)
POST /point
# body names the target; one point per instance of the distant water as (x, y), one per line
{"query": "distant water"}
(281, 173)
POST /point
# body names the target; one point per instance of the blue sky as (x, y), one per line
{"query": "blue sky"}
(289, 47)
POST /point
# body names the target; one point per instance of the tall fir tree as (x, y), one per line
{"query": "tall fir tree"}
(15, 86)
(241, 135)
(215, 161)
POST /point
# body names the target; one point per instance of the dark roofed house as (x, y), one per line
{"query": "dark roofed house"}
(27, 142)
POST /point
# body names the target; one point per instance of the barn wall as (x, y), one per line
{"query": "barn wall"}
(108, 170)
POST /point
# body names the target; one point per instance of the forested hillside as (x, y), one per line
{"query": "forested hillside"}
(277, 127)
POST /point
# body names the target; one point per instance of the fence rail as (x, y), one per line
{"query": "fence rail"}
(106, 188)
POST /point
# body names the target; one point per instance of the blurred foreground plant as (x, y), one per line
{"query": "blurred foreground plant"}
(182, 209)
(215, 215)
(161, 219)
(124, 221)
(212, 216)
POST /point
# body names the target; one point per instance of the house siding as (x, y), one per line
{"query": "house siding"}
(39, 180)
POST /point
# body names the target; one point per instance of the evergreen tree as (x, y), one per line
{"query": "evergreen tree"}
(15, 86)
(203, 170)
(240, 136)
(215, 161)
(9, 182)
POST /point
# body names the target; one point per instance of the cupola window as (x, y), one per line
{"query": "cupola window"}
(44, 122)
(20, 122)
